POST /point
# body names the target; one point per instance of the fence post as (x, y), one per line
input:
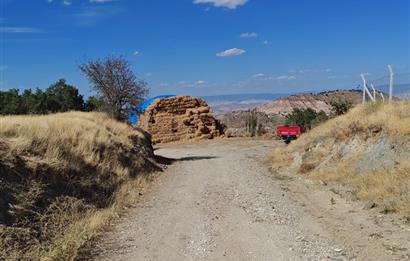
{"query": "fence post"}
(374, 91)
(391, 82)
(364, 86)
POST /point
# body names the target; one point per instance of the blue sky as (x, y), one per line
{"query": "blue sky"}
(206, 47)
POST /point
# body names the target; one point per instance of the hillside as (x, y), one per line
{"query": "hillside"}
(365, 150)
(63, 176)
(221, 104)
(318, 102)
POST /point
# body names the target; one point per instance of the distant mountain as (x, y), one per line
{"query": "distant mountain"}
(221, 104)
(318, 102)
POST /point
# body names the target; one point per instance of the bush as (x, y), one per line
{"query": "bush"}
(341, 105)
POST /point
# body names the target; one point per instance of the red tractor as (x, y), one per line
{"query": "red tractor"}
(288, 133)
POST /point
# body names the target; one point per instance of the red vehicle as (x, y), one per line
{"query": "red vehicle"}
(289, 133)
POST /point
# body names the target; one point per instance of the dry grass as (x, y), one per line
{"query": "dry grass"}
(366, 150)
(63, 177)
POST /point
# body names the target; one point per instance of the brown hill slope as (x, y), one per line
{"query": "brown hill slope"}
(62, 176)
(318, 102)
(367, 150)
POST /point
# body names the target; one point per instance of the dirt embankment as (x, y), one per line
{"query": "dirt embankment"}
(62, 177)
(365, 150)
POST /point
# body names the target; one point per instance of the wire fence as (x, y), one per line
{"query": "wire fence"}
(386, 87)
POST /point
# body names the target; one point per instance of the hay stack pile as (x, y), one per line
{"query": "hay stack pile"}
(179, 118)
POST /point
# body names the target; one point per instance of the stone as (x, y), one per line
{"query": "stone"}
(369, 205)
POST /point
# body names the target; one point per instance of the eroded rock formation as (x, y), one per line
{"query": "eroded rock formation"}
(318, 102)
(179, 118)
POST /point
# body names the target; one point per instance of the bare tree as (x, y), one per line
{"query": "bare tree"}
(116, 85)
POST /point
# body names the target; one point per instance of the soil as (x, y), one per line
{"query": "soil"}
(219, 201)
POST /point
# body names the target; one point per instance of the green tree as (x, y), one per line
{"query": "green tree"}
(320, 117)
(63, 97)
(261, 130)
(341, 105)
(34, 103)
(251, 122)
(301, 117)
(11, 102)
(93, 104)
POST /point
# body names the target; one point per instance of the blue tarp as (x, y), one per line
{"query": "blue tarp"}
(134, 116)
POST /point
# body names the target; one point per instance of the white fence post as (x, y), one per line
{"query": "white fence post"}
(364, 86)
(374, 91)
(391, 82)
(366, 90)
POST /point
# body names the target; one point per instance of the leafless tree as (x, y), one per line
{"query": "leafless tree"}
(116, 85)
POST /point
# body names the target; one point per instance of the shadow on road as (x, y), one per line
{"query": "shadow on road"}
(168, 161)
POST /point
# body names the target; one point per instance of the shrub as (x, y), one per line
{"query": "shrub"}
(341, 105)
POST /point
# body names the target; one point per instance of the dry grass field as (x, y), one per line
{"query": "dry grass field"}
(366, 150)
(62, 178)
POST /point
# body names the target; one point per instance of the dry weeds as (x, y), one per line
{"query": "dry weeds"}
(343, 150)
(62, 178)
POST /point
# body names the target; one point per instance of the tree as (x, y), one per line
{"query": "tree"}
(34, 103)
(252, 122)
(116, 85)
(341, 105)
(63, 97)
(301, 117)
(320, 117)
(93, 104)
(10, 102)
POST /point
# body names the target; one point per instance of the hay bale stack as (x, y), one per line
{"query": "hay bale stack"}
(179, 118)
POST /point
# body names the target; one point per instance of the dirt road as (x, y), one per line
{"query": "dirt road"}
(218, 201)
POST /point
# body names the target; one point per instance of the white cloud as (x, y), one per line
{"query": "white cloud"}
(266, 42)
(67, 2)
(249, 35)
(200, 82)
(136, 53)
(5, 29)
(332, 77)
(281, 77)
(328, 70)
(231, 52)
(258, 75)
(148, 74)
(230, 4)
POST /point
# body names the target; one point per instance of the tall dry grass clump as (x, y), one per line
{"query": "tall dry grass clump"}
(62, 176)
(367, 149)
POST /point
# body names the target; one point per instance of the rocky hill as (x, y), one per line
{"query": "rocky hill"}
(365, 150)
(179, 118)
(318, 102)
